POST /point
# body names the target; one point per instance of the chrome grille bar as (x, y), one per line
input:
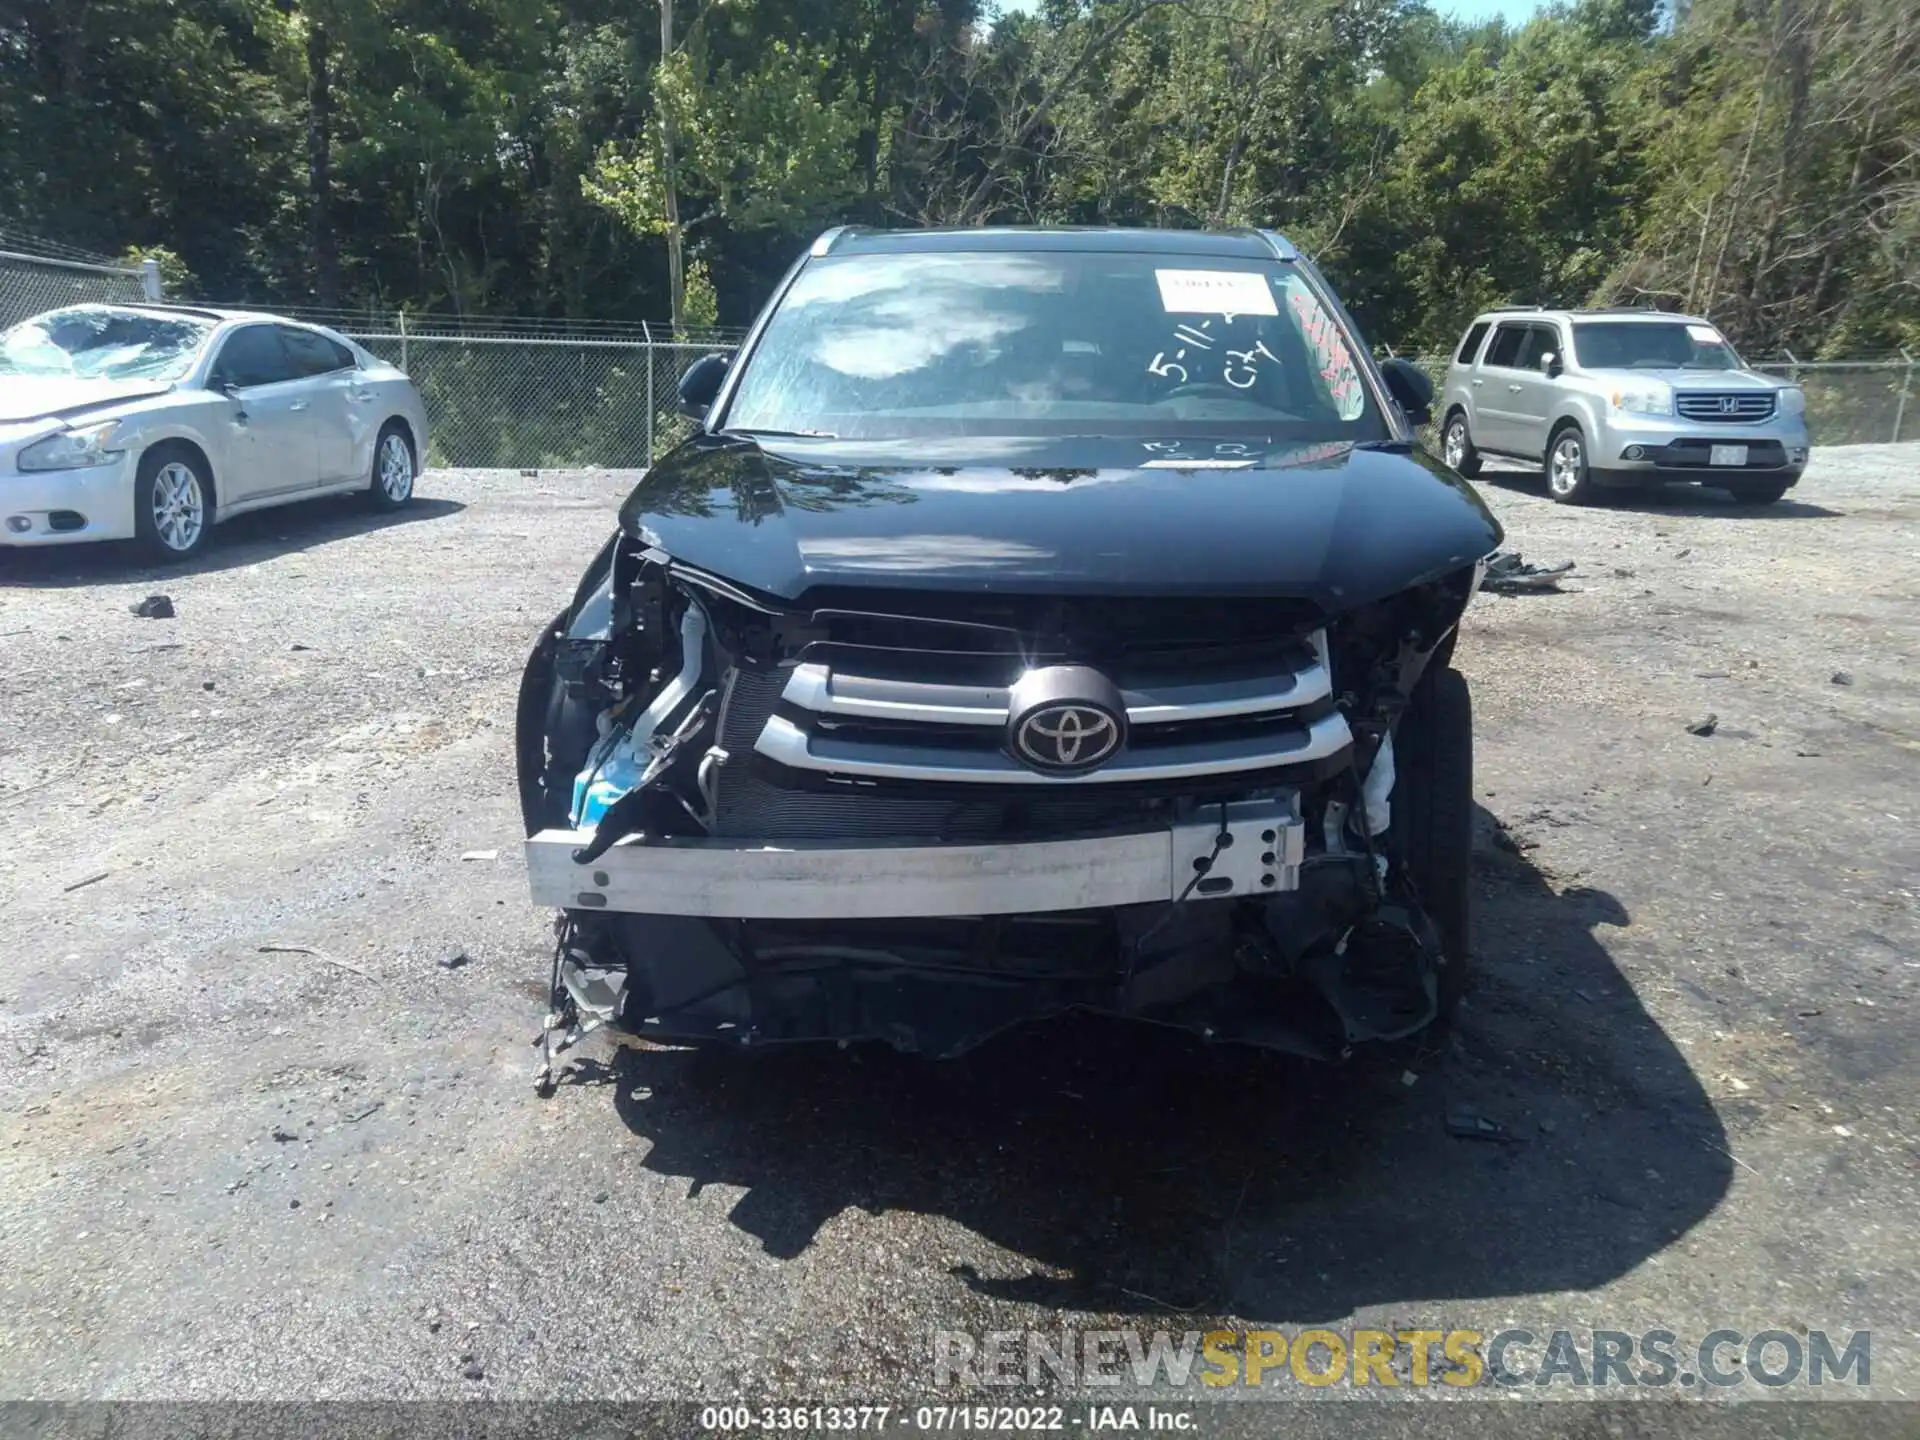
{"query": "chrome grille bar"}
(1225, 699)
(828, 692)
(884, 715)
(824, 691)
(788, 744)
(1747, 406)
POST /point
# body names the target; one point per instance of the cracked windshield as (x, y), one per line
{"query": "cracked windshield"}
(882, 347)
(96, 344)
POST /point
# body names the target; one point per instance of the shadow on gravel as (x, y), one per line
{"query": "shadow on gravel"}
(1136, 1170)
(1707, 501)
(243, 540)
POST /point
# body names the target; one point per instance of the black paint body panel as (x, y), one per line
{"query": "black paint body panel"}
(1338, 525)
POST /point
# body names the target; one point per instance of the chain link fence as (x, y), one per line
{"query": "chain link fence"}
(594, 400)
(540, 403)
(531, 393)
(553, 394)
(36, 275)
(516, 393)
(537, 394)
(569, 395)
(1849, 402)
(1859, 402)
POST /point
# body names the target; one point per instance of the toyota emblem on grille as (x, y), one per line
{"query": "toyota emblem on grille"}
(1067, 736)
(1065, 719)
(1729, 404)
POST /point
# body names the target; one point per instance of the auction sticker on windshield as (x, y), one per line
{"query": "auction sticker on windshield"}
(1214, 292)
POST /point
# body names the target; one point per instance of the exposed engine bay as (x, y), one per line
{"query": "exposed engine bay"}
(924, 817)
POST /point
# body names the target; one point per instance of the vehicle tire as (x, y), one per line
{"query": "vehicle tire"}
(1758, 492)
(1432, 826)
(1456, 446)
(173, 502)
(1569, 480)
(395, 467)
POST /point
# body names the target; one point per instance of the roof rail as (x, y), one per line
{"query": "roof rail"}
(825, 243)
(1281, 246)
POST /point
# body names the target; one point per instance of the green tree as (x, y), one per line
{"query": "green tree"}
(1755, 159)
(1511, 179)
(1783, 175)
(763, 146)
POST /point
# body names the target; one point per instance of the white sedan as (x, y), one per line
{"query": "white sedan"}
(155, 422)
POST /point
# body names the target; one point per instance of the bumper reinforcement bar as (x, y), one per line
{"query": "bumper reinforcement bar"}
(739, 880)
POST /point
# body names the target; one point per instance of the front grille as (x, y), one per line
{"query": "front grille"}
(1725, 407)
(1242, 704)
(747, 805)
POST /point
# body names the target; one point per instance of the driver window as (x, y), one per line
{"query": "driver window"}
(252, 356)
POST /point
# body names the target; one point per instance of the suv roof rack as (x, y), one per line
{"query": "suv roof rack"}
(1282, 247)
(825, 241)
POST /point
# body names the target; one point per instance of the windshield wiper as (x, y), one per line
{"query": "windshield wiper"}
(779, 434)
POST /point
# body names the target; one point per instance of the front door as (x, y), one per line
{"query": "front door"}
(270, 448)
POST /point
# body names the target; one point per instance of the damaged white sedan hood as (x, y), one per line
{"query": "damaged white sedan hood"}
(35, 397)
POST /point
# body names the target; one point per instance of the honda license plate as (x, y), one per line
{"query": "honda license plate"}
(1727, 455)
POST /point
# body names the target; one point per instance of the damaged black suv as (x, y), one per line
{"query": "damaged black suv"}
(1037, 620)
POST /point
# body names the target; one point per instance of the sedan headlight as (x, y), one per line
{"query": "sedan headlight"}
(1793, 400)
(73, 449)
(1644, 397)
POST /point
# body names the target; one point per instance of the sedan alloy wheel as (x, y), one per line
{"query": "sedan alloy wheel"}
(179, 507)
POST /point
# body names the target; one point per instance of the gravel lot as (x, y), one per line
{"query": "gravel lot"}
(230, 1170)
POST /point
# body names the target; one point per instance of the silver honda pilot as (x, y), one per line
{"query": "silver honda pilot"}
(1620, 398)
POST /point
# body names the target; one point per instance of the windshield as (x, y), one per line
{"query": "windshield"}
(991, 343)
(1652, 345)
(95, 343)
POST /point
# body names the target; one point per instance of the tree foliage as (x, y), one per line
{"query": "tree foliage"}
(1758, 160)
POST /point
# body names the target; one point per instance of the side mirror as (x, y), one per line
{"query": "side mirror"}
(1410, 387)
(1550, 365)
(700, 384)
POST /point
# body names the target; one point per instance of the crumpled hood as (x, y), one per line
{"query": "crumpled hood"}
(1334, 524)
(35, 397)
